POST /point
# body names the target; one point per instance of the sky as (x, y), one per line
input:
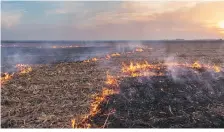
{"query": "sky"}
(112, 20)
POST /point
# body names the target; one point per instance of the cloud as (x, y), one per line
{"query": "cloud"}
(135, 11)
(66, 8)
(10, 19)
(124, 20)
(139, 20)
(11, 14)
(82, 12)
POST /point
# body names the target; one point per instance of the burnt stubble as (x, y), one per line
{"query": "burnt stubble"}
(164, 102)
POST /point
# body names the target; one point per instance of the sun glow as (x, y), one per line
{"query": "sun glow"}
(221, 24)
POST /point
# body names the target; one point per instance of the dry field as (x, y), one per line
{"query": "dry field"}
(50, 96)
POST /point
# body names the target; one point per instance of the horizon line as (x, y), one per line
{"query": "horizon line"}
(127, 40)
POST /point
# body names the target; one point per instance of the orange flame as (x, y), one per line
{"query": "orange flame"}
(139, 69)
(73, 123)
(134, 67)
(143, 69)
(86, 61)
(115, 54)
(196, 65)
(97, 100)
(217, 68)
(133, 70)
(6, 77)
(100, 98)
(111, 80)
(94, 107)
(26, 70)
(23, 68)
(95, 59)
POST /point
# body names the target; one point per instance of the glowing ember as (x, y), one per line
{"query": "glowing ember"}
(139, 50)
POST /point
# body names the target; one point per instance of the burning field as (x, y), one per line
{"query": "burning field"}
(119, 90)
(152, 97)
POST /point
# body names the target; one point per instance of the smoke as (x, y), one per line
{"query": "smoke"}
(123, 47)
(9, 61)
(173, 71)
(204, 76)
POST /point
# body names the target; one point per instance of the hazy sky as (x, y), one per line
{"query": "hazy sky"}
(118, 20)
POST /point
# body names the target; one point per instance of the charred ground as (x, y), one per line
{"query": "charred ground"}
(162, 102)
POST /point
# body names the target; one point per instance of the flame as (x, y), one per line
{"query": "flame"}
(107, 57)
(140, 69)
(86, 61)
(73, 123)
(111, 80)
(133, 69)
(23, 68)
(216, 68)
(94, 109)
(97, 100)
(196, 65)
(143, 69)
(139, 50)
(115, 54)
(6, 77)
(26, 70)
(94, 59)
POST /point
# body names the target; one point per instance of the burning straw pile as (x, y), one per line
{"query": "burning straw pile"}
(160, 96)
